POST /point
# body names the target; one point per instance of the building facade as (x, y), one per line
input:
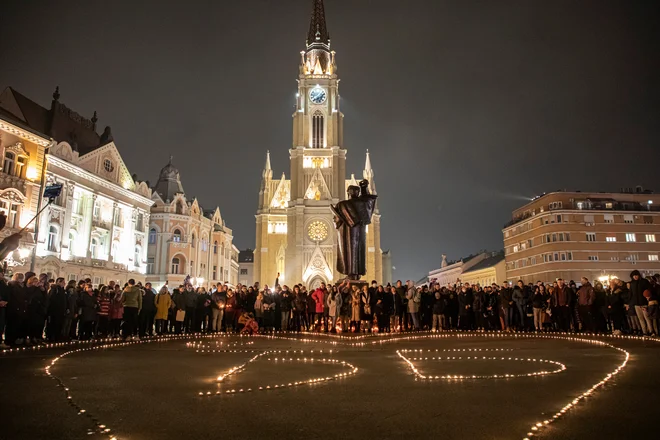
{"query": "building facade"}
(96, 228)
(574, 234)
(491, 269)
(184, 240)
(452, 272)
(295, 233)
(246, 267)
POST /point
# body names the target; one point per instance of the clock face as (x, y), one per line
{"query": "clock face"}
(317, 95)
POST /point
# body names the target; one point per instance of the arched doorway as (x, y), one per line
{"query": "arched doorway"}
(315, 283)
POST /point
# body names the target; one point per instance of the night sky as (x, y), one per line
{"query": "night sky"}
(468, 108)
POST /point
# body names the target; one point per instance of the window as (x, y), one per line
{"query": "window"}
(175, 265)
(559, 219)
(76, 206)
(10, 160)
(215, 248)
(580, 205)
(108, 166)
(628, 218)
(193, 240)
(137, 258)
(632, 257)
(150, 265)
(533, 260)
(555, 205)
(567, 236)
(516, 248)
(569, 256)
(244, 271)
(118, 218)
(318, 130)
(608, 205)
(593, 257)
(192, 267)
(653, 257)
(648, 220)
(215, 272)
(631, 238)
(591, 236)
(115, 250)
(609, 218)
(97, 210)
(277, 227)
(610, 239)
(72, 242)
(556, 256)
(563, 256)
(20, 166)
(554, 237)
(589, 220)
(530, 243)
(73, 277)
(94, 247)
(11, 211)
(152, 236)
(650, 238)
(179, 207)
(52, 239)
(140, 222)
(176, 236)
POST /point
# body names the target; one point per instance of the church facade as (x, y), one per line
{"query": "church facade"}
(295, 233)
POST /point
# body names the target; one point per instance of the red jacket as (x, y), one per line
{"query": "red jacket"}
(319, 297)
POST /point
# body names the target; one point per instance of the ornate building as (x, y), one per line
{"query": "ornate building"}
(184, 240)
(295, 234)
(96, 228)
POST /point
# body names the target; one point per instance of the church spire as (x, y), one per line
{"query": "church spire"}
(318, 30)
(268, 172)
(368, 174)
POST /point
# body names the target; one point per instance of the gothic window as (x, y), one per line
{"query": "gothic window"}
(215, 248)
(52, 238)
(175, 265)
(318, 131)
(10, 160)
(193, 240)
(152, 236)
(176, 236)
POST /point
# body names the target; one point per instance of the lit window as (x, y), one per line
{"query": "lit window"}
(150, 265)
(650, 238)
(653, 257)
(631, 238)
(176, 236)
(152, 236)
(94, 247)
(10, 160)
(516, 248)
(138, 256)
(175, 265)
(52, 239)
(610, 239)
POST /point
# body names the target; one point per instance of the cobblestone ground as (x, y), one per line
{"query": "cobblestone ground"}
(294, 386)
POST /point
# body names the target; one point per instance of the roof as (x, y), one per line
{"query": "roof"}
(246, 256)
(169, 183)
(318, 29)
(59, 122)
(487, 262)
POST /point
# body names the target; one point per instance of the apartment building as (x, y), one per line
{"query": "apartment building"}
(574, 234)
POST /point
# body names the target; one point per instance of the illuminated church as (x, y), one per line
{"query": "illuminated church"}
(295, 233)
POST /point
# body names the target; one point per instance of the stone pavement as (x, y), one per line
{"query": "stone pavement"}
(337, 387)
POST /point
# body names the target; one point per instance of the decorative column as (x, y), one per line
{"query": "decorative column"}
(66, 226)
(115, 208)
(89, 208)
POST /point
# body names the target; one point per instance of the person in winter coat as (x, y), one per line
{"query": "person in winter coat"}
(132, 300)
(439, 306)
(506, 306)
(586, 296)
(638, 285)
(651, 312)
(334, 308)
(538, 305)
(355, 308)
(116, 311)
(230, 311)
(615, 306)
(218, 302)
(319, 296)
(299, 308)
(268, 305)
(71, 312)
(37, 310)
(57, 306)
(286, 300)
(179, 300)
(414, 299)
(89, 307)
(103, 313)
(520, 297)
(17, 305)
(148, 311)
(478, 306)
(465, 302)
(346, 306)
(163, 302)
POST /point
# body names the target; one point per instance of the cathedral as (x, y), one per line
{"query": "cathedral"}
(295, 233)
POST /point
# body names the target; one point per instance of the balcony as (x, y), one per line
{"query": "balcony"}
(100, 223)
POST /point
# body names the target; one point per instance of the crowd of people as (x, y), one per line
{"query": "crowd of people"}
(35, 309)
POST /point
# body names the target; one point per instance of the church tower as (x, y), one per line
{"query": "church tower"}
(295, 234)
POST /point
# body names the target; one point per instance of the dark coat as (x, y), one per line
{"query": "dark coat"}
(637, 288)
(57, 304)
(149, 301)
(89, 306)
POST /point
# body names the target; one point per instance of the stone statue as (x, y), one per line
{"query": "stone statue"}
(351, 219)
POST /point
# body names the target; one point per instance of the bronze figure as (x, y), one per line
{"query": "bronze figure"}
(351, 219)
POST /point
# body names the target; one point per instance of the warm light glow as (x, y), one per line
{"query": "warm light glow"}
(24, 252)
(31, 173)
